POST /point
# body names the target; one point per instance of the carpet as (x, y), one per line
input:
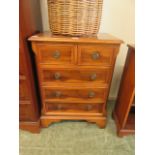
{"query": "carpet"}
(77, 138)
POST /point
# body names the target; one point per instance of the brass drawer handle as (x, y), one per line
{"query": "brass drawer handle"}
(57, 76)
(89, 107)
(56, 54)
(58, 93)
(95, 55)
(93, 76)
(91, 94)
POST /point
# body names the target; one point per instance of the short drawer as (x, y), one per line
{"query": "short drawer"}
(78, 95)
(70, 75)
(73, 108)
(56, 53)
(95, 55)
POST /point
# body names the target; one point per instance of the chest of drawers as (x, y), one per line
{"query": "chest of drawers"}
(74, 76)
(29, 109)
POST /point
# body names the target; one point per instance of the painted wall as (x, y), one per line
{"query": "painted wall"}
(118, 20)
(36, 12)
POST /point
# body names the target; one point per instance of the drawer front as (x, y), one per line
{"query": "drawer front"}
(78, 95)
(71, 75)
(23, 90)
(95, 55)
(21, 64)
(56, 53)
(73, 107)
(25, 112)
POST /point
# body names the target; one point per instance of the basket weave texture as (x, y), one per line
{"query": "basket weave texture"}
(75, 17)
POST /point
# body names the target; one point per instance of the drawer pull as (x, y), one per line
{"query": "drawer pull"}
(57, 76)
(57, 94)
(91, 94)
(89, 107)
(95, 55)
(93, 76)
(56, 54)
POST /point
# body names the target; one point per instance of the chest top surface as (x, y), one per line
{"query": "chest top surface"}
(100, 38)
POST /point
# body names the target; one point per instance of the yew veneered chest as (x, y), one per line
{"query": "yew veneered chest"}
(74, 76)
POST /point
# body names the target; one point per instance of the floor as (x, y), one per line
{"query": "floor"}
(77, 138)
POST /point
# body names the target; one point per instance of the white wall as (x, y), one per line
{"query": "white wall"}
(44, 14)
(118, 20)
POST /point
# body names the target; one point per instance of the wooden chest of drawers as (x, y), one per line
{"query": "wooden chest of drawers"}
(74, 76)
(29, 109)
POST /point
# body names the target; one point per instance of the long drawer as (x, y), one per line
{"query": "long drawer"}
(74, 94)
(51, 74)
(73, 108)
(25, 108)
(23, 90)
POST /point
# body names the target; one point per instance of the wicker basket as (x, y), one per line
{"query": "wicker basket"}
(74, 17)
